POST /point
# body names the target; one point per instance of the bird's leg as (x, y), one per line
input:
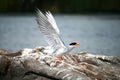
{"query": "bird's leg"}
(60, 59)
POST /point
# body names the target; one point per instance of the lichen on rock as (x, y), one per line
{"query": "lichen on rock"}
(39, 64)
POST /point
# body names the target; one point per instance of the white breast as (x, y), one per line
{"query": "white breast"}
(60, 51)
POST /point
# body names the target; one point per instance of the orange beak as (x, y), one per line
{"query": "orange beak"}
(77, 44)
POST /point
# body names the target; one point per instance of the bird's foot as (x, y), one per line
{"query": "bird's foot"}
(60, 59)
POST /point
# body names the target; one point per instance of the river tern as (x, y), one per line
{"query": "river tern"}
(49, 29)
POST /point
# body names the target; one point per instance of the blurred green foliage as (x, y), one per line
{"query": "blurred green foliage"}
(59, 5)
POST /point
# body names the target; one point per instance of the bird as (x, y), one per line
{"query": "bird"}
(51, 32)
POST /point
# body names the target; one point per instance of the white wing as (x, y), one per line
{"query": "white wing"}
(50, 30)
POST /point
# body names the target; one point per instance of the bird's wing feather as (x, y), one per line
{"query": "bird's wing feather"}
(52, 21)
(50, 30)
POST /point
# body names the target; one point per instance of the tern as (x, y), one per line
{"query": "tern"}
(49, 29)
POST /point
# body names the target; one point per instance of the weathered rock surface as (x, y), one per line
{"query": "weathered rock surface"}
(36, 64)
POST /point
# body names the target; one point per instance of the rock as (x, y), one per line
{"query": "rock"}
(37, 64)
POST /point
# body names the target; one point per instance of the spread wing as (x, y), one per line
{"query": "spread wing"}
(50, 30)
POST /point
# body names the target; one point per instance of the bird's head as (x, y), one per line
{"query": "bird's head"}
(74, 44)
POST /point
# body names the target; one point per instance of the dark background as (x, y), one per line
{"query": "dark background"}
(61, 6)
(93, 23)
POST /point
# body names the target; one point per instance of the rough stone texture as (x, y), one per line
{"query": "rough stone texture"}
(36, 64)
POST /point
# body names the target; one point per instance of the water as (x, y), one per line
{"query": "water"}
(97, 34)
